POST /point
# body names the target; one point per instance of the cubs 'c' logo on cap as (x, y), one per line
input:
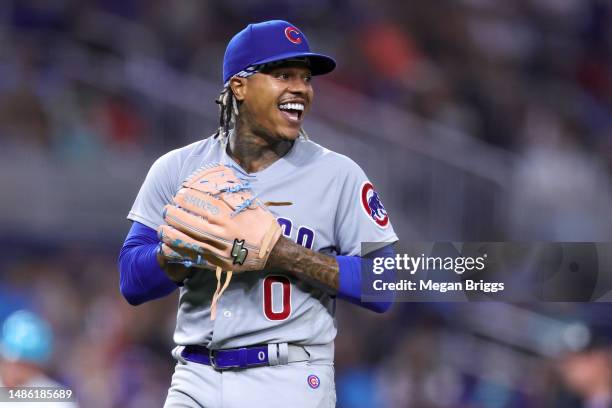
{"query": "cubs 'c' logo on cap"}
(373, 206)
(293, 35)
(313, 381)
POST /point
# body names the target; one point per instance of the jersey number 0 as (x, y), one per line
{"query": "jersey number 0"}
(283, 306)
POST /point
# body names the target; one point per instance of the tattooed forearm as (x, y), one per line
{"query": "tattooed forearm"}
(304, 263)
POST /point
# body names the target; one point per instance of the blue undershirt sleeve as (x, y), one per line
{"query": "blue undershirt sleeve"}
(140, 277)
(350, 278)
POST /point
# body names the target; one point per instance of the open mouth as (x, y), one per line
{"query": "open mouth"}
(292, 111)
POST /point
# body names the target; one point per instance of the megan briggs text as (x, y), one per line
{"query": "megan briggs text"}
(429, 285)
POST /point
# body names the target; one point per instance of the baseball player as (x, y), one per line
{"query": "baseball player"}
(261, 229)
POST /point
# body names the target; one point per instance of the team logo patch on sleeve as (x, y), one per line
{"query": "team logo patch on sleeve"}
(313, 381)
(373, 206)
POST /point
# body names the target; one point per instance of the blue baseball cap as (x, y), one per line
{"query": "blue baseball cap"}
(271, 41)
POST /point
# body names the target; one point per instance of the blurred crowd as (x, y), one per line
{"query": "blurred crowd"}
(530, 77)
(516, 74)
(108, 352)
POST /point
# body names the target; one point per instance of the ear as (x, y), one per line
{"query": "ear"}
(238, 86)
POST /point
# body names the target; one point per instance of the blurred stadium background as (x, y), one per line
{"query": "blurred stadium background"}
(476, 119)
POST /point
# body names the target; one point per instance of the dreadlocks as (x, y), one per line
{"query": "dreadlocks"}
(228, 111)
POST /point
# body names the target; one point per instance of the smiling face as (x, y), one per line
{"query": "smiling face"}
(275, 101)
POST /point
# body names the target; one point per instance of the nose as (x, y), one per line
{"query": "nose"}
(299, 86)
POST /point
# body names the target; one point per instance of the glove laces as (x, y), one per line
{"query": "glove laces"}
(265, 246)
(219, 291)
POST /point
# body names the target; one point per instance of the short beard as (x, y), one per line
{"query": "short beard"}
(261, 131)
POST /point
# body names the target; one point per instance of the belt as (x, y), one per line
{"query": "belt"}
(243, 357)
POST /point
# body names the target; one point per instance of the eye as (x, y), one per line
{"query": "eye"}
(308, 79)
(282, 75)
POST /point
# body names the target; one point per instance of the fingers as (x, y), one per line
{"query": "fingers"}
(205, 205)
(216, 209)
(199, 228)
(187, 258)
(186, 245)
(178, 247)
(201, 192)
(178, 240)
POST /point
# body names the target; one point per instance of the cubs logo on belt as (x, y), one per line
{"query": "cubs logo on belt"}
(373, 206)
(293, 35)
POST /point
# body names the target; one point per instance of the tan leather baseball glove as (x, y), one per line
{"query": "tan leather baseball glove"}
(216, 222)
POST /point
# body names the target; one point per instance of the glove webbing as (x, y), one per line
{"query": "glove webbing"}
(228, 277)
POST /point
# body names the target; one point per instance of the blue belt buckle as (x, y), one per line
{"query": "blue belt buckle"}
(213, 362)
(223, 365)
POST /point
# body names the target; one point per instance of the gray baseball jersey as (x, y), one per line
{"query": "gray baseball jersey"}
(333, 209)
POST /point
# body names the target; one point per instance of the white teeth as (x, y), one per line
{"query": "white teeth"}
(292, 106)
